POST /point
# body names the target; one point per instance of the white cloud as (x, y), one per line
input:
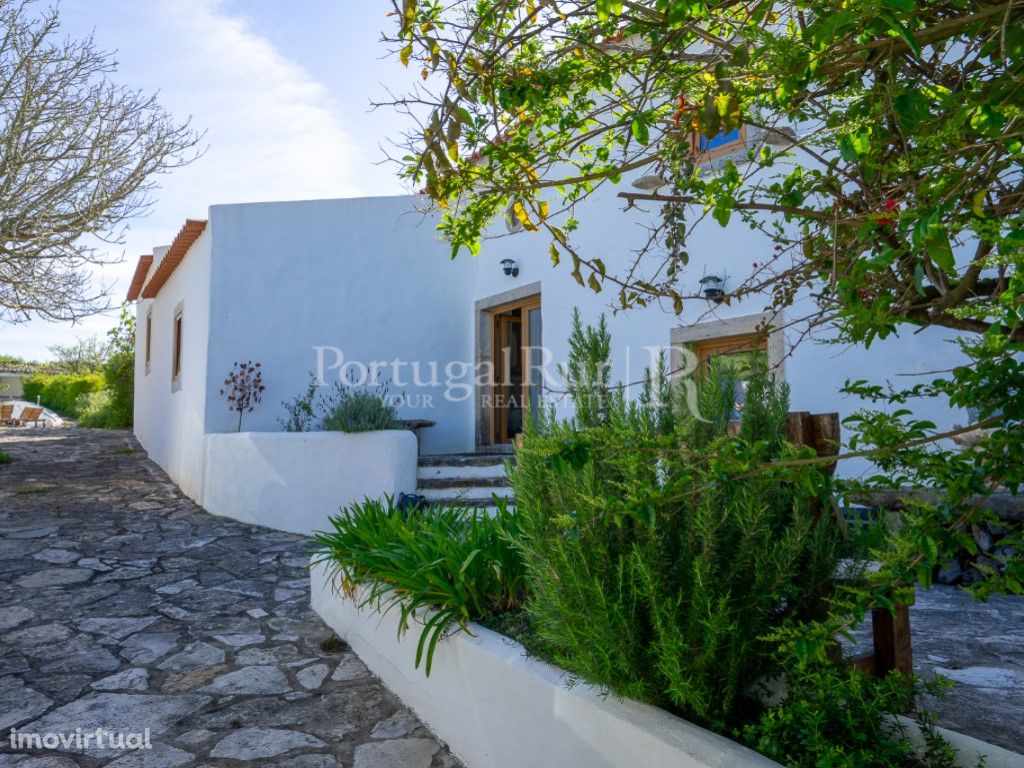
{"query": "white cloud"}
(272, 131)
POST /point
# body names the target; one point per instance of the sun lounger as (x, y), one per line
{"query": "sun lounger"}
(31, 415)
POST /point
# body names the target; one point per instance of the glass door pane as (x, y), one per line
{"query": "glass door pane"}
(514, 390)
(536, 355)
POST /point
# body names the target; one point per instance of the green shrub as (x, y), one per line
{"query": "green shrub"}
(104, 399)
(301, 410)
(837, 716)
(661, 549)
(119, 372)
(60, 392)
(356, 409)
(5, 457)
(458, 562)
(93, 409)
(32, 386)
(342, 407)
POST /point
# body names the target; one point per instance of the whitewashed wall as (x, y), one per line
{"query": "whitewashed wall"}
(815, 370)
(170, 424)
(365, 275)
(296, 481)
(369, 277)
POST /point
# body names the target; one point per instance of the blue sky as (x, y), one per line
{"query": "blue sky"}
(282, 90)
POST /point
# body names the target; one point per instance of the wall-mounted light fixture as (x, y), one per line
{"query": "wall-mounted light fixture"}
(509, 267)
(713, 287)
(650, 183)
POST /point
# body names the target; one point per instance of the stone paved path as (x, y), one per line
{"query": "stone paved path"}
(980, 648)
(124, 605)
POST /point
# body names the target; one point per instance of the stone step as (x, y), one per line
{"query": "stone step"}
(474, 495)
(466, 459)
(458, 472)
(484, 505)
(497, 481)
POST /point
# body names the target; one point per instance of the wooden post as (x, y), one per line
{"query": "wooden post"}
(825, 430)
(820, 431)
(798, 428)
(891, 634)
(890, 630)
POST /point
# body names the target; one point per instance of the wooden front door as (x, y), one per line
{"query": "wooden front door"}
(517, 377)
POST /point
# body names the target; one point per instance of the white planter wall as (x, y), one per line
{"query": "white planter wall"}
(496, 708)
(295, 481)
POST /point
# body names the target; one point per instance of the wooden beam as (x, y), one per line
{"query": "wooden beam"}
(891, 634)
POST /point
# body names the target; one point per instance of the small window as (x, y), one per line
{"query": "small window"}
(708, 148)
(149, 337)
(721, 140)
(176, 353)
(740, 355)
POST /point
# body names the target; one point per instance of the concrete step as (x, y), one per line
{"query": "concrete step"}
(485, 505)
(466, 459)
(456, 471)
(473, 495)
(495, 481)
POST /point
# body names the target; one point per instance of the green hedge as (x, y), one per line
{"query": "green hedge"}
(61, 392)
(119, 372)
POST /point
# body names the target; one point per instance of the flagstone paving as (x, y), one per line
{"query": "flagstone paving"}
(979, 647)
(125, 606)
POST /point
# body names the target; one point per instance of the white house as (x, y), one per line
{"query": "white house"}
(346, 284)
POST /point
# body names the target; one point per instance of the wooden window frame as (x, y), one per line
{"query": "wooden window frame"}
(707, 155)
(747, 342)
(149, 338)
(177, 344)
(726, 331)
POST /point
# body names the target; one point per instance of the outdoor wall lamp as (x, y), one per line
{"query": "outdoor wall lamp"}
(651, 183)
(713, 287)
(509, 267)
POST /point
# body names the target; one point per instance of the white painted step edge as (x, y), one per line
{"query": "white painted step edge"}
(456, 472)
(478, 493)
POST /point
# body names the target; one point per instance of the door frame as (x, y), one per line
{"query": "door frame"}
(484, 344)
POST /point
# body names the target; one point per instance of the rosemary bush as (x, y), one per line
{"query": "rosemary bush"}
(660, 549)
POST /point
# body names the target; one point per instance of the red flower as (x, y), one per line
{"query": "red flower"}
(891, 205)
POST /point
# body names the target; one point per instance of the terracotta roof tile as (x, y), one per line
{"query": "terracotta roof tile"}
(141, 270)
(188, 234)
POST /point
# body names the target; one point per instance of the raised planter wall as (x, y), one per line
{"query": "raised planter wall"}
(496, 708)
(294, 481)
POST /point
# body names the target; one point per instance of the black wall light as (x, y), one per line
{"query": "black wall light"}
(713, 287)
(509, 267)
